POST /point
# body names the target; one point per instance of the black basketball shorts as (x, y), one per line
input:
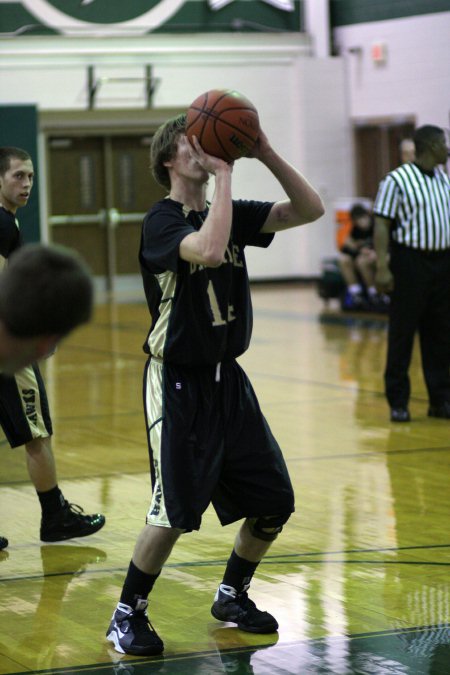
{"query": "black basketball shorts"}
(24, 411)
(210, 443)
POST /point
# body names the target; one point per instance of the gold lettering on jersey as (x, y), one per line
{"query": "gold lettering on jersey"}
(215, 309)
(29, 399)
(231, 256)
(193, 267)
(218, 319)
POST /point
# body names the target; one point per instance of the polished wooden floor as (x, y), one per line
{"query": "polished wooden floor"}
(359, 580)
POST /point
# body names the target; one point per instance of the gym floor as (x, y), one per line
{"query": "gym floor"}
(359, 579)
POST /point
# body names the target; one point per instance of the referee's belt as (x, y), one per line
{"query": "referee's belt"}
(427, 253)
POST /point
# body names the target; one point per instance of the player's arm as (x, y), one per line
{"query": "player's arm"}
(303, 205)
(351, 243)
(5, 244)
(384, 280)
(207, 246)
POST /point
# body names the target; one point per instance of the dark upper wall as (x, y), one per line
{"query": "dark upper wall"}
(18, 127)
(345, 12)
(192, 16)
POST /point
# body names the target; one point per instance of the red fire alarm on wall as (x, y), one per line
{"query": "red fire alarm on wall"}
(378, 52)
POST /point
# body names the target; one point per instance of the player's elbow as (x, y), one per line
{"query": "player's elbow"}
(213, 258)
(202, 250)
(317, 210)
(309, 212)
(211, 253)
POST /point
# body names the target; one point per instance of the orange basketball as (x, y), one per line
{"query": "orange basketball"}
(225, 123)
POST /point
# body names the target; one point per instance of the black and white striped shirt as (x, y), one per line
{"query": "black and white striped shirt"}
(419, 204)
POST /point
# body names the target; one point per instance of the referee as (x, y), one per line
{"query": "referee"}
(412, 241)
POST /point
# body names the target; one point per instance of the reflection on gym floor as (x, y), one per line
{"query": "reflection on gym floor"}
(358, 580)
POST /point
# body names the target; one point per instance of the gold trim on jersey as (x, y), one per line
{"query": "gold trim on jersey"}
(186, 210)
(167, 283)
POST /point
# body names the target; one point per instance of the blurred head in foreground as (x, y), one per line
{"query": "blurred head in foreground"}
(45, 292)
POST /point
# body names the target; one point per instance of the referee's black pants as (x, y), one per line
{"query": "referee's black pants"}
(420, 302)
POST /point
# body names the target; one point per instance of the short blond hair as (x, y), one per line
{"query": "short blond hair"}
(164, 146)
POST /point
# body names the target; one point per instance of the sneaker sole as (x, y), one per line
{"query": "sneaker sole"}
(93, 530)
(263, 630)
(271, 628)
(112, 637)
(134, 651)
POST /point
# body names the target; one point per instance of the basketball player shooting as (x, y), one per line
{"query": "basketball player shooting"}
(208, 440)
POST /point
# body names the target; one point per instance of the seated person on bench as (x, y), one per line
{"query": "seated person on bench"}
(357, 262)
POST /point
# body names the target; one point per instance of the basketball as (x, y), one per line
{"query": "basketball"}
(225, 123)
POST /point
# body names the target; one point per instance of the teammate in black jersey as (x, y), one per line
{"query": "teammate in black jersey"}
(24, 412)
(208, 440)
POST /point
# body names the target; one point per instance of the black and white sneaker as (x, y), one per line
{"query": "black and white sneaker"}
(70, 522)
(131, 632)
(353, 302)
(238, 608)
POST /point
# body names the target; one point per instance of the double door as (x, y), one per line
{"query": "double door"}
(377, 147)
(100, 188)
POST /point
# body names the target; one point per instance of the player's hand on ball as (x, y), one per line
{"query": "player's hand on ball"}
(261, 146)
(210, 163)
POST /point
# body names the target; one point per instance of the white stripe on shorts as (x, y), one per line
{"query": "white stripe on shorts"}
(157, 514)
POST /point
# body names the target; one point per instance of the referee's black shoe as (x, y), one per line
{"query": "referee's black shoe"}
(400, 415)
(3, 543)
(442, 410)
(238, 608)
(70, 522)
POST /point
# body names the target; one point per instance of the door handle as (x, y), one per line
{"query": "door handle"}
(113, 218)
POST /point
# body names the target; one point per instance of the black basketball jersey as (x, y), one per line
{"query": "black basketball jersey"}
(362, 234)
(200, 315)
(10, 237)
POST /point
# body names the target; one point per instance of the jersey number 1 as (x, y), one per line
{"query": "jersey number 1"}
(218, 319)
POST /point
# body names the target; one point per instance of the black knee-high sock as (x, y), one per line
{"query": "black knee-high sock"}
(51, 501)
(239, 572)
(137, 585)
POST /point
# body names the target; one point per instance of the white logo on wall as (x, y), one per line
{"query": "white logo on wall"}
(286, 5)
(73, 24)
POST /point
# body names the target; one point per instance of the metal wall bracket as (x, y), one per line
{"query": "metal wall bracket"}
(94, 84)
